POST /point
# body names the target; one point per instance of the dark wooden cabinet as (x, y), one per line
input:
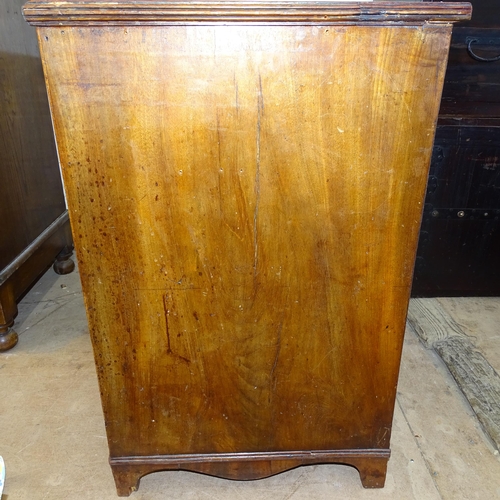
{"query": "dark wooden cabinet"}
(245, 184)
(34, 226)
(460, 237)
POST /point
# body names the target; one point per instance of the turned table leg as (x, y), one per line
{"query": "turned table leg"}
(8, 311)
(63, 264)
(8, 337)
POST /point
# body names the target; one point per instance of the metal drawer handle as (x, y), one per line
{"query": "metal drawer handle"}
(475, 56)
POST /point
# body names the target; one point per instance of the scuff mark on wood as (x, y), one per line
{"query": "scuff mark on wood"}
(277, 354)
(260, 108)
(236, 96)
(166, 312)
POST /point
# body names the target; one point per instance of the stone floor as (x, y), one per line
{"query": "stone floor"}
(53, 440)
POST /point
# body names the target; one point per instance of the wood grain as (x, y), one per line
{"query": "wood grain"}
(431, 322)
(95, 12)
(477, 379)
(31, 195)
(245, 202)
(28, 156)
(371, 465)
(471, 88)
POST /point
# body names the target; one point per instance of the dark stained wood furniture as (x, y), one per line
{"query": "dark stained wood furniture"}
(33, 217)
(459, 247)
(245, 183)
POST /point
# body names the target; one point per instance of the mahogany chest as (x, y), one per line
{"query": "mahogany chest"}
(245, 183)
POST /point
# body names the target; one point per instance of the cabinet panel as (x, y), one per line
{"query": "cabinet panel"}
(458, 255)
(471, 87)
(235, 183)
(34, 225)
(31, 195)
(459, 241)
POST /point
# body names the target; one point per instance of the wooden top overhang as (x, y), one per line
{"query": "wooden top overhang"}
(259, 12)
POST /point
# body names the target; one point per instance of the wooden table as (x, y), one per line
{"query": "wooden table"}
(245, 184)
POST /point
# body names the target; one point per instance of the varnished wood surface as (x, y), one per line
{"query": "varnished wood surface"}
(472, 88)
(485, 14)
(54, 244)
(371, 465)
(31, 195)
(245, 202)
(95, 12)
